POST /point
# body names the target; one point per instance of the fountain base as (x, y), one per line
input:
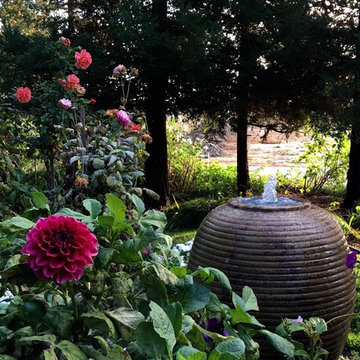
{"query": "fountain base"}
(292, 256)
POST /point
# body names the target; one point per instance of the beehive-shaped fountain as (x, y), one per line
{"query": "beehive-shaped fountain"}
(290, 252)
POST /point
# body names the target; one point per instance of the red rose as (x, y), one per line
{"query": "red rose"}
(72, 82)
(83, 59)
(23, 95)
(64, 41)
(93, 101)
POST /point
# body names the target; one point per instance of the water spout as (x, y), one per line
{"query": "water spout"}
(269, 194)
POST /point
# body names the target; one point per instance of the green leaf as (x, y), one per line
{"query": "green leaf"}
(318, 324)
(145, 238)
(50, 354)
(19, 274)
(51, 339)
(40, 200)
(280, 344)
(20, 222)
(249, 299)
(174, 312)
(34, 311)
(127, 253)
(194, 298)
(162, 325)
(155, 290)
(104, 257)
(189, 353)
(139, 204)
(196, 338)
(106, 220)
(74, 214)
(99, 321)
(118, 353)
(93, 207)
(154, 218)
(187, 323)
(321, 352)
(126, 316)
(91, 353)
(165, 275)
(241, 316)
(117, 208)
(151, 194)
(208, 273)
(149, 341)
(71, 351)
(61, 319)
(229, 350)
(178, 271)
(237, 300)
(7, 357)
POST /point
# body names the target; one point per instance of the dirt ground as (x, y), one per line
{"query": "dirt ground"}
(275, 153)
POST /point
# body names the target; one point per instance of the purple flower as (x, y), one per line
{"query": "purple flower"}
(297, 321)
(215, 326)
(124, 118)
(351, 259)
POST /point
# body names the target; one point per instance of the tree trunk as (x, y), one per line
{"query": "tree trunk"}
(71, 7)
(243, 182)
(156, 166)
(353, 175)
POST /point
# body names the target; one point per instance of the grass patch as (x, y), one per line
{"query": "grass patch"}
(182, 236)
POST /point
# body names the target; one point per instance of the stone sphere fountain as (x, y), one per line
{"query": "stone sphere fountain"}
(290, 252)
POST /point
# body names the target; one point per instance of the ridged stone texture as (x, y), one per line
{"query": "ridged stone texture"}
(293, 257)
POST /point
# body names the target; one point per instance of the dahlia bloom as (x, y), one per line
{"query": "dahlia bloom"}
(65, 103)
(119, 71)
(83, 59)
(124, 118)
(64, 41)
(72, 82)
(23, 94)
(60, 247)
(351, 259)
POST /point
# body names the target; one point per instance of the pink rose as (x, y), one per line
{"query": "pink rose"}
(124, 118)
(83, 59)
(65, 103)
(23, 94)
(72, 82)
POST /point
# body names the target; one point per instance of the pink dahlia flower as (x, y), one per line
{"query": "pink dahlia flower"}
(60, 247)
(124, 118)
(65, 103)
(83, 59)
